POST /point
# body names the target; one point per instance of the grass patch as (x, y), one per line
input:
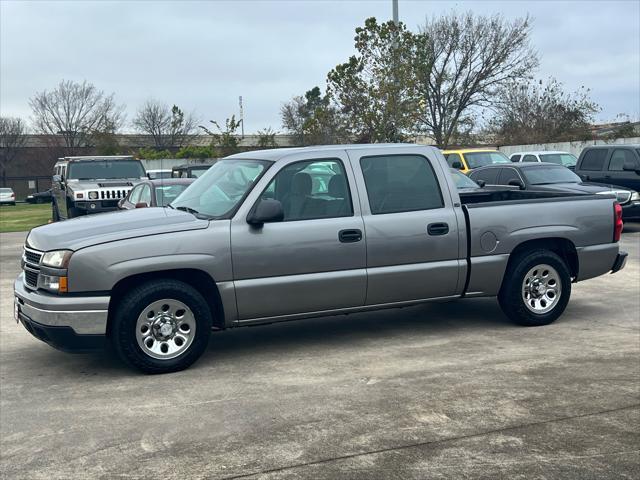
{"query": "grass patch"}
(23, 217)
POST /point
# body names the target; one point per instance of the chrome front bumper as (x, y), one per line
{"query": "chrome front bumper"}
(84, 315)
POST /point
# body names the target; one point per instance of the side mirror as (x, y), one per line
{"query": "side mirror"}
(120, 202)
(516, 183)
(267, 210)
(141, 205)
(457, 165)
(481, 183)
(630, 166)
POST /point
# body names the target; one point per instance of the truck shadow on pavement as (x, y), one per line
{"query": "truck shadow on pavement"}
(450, 321)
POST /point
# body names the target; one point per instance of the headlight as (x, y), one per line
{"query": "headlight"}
(635, 196)
(53, 283)
(93, 195)
(57, 258)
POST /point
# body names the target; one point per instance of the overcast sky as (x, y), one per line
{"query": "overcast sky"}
(203, 55)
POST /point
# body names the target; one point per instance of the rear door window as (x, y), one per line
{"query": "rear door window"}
(618, 158)
(508, 174)
(488, 175)
(400, 183)
(515, 158)
(530, 158)
(594, 159)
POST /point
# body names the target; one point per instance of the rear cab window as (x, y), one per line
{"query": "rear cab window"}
(400, 183)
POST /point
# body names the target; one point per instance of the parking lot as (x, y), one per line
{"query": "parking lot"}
(434, 391)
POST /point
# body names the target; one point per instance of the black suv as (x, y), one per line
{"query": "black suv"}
(611, 164)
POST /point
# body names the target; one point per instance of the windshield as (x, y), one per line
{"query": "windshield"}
(565, 159)
(198, 172)
(158, 174)
(166, 194)
(545, 175)
(480, 159)
(221, 188)
(105, 169)
(461, 180)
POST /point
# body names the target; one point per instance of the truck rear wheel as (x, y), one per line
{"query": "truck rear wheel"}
(161, 326)
(536, 288)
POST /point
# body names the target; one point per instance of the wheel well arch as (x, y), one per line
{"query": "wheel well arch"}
(561, 246)
(198, 279)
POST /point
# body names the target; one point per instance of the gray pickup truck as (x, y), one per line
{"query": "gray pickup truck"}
(284, 234)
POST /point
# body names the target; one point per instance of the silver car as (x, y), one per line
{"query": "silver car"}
(7, 196)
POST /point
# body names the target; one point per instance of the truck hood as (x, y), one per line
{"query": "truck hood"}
(90, 230)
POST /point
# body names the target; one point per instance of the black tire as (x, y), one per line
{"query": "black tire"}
(511, 298)
(123, 331)
(55, 215)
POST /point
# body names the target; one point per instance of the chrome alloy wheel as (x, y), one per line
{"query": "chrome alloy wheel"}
(541, 289)
(165, 329)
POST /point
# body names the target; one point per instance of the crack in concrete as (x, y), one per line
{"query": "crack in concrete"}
(432, 442)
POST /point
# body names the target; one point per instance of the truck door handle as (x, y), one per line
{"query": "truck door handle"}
(438, 229)
(350, 236)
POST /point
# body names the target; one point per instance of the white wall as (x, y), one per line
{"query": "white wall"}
(168, 163)
(571, 147)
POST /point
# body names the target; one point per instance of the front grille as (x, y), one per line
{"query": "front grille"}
(31, 278)
(33, 257)
(113, 194)
(31, 266)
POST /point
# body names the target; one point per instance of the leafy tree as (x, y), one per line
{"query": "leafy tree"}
(75, 111)
(530, 112)
(267, 138)
(374, 89)
(195, 152)
(461, 63)
(313, 120)
(225, 140)
(153, 153)
(13, 135)
(169, 127)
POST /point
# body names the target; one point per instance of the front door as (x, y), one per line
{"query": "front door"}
(314, 260)
(413, 230)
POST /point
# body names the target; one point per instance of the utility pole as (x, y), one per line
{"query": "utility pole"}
(241, 115)
(394, 107)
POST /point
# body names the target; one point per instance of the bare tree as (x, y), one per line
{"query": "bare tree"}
(169, 127)
(461, 62)
(529, 112)
(75, 111)
(12, 139)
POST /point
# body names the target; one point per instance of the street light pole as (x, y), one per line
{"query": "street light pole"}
(395, 12)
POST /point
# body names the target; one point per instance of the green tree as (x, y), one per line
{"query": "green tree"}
(313, 120)
(191, 151)
(225, 140)
(267, 138)
(153, 153)
(374, 89)
(533, 112)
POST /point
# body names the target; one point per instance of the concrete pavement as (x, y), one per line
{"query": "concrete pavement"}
(435, 391)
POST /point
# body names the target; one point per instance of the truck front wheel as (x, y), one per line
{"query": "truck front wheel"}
(536, 288)
(161, 326)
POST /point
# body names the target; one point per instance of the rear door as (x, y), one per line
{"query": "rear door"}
(312, 261)
(616, 175)
(412, 229)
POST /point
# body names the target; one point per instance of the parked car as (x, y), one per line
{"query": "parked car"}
(467, 159)
(157, 173)
(40, 197)
(549, 177)
(190, 170)
(611, 164)
(7, 196)
(86, 185)
(565, 159)
(154, 193)
(255, 240)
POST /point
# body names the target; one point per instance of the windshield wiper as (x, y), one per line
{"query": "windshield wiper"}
(194, 212)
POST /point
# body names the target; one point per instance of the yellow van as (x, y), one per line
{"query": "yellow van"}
(467, 159)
